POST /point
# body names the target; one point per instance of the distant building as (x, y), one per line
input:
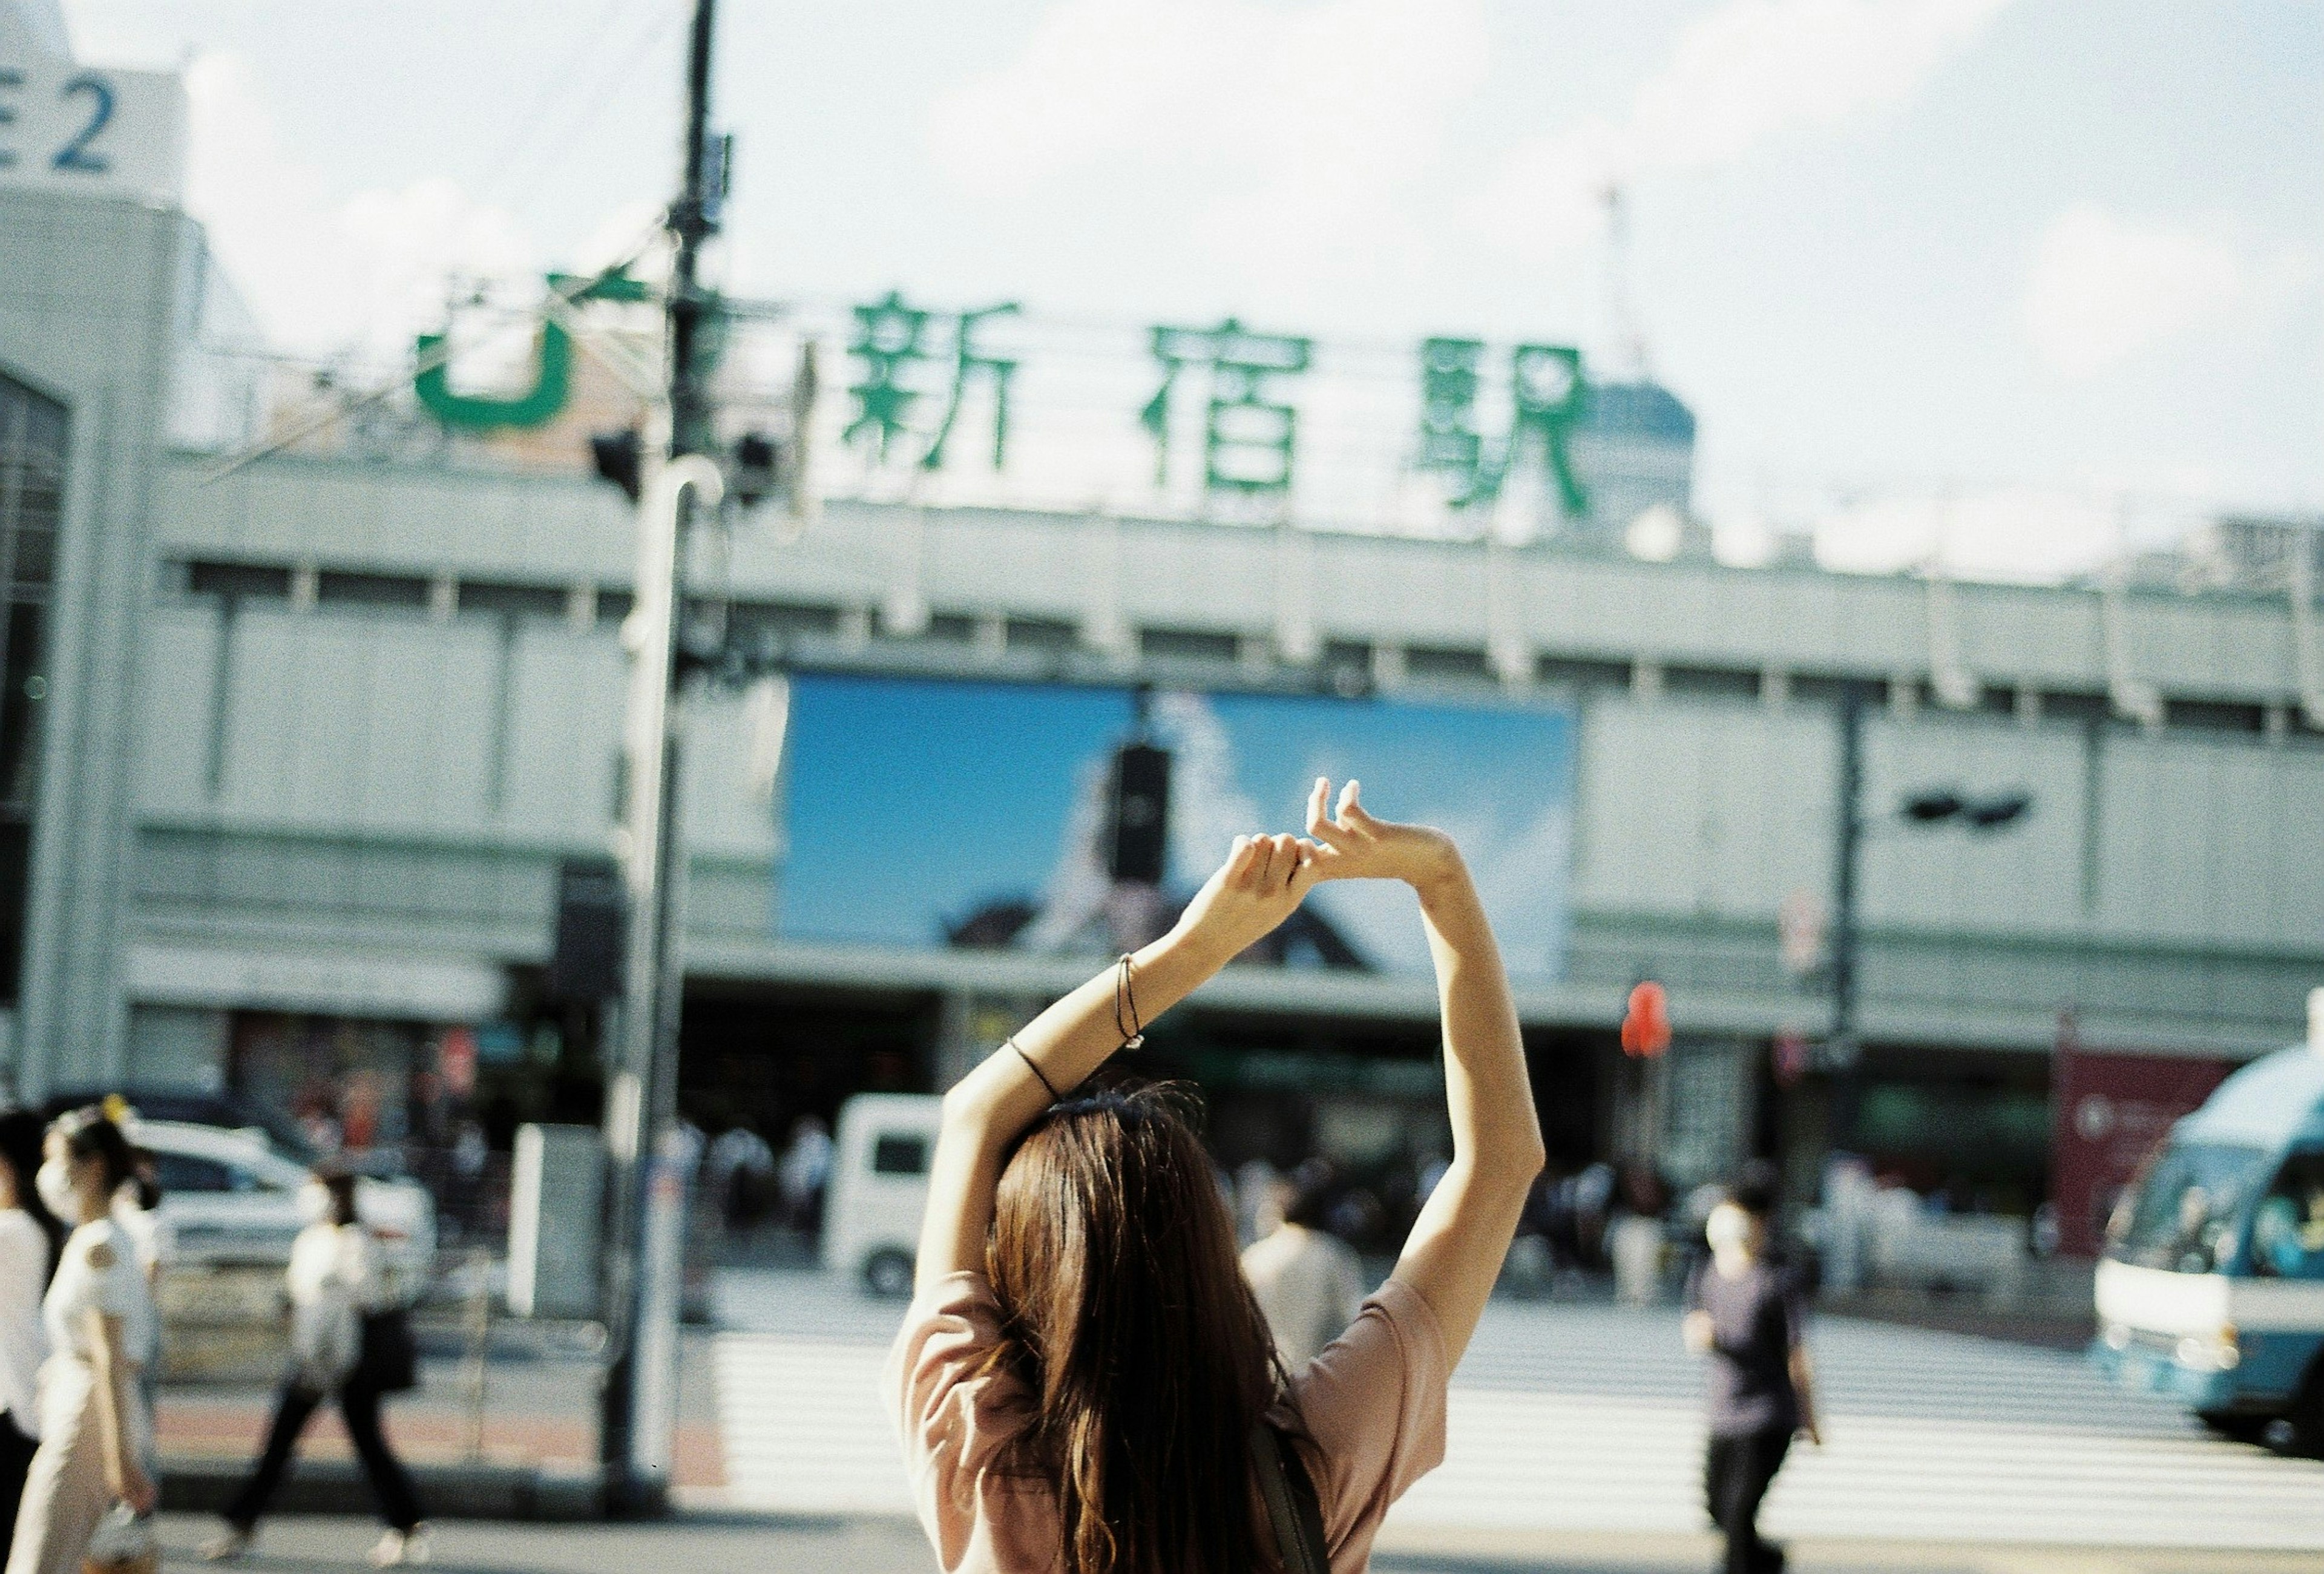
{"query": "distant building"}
(1633, 452)
(2254, 553)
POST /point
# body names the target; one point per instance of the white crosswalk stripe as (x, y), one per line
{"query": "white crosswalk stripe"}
(1587, 1417)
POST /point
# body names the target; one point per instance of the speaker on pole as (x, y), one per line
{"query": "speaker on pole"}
(1138, 833)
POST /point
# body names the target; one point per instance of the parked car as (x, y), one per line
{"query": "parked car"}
(228, 1197)
(224, 1110)
(879, 1188)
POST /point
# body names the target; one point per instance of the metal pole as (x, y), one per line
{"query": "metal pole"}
(647, 1190)
(1841, 1046)
(1842, 1049)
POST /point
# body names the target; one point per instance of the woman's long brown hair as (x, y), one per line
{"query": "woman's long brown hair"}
(1126, 1317)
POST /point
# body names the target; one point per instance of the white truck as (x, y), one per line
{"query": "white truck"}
(879, 1188)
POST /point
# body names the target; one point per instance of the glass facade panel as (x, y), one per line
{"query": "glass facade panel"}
(33, 429)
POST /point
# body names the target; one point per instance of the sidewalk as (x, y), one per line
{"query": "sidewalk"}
(531, 1453)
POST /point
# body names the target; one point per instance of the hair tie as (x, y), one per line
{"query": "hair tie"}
(1133, 1032)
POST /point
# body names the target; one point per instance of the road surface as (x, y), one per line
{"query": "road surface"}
(1570, 1419)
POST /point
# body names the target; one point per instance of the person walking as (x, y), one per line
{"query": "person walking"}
(1745, 1311)
(97, 1313)
(24, 1266)
(1084, 1382)
(335, 1279)
(1308, 1281)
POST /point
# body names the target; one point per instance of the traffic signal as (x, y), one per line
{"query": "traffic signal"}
(592, 932)
(1646, 1025)
(620, 459)
(1138, 824)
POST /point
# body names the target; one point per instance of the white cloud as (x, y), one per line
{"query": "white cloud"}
(2104, 288)
(1750, 71)
(326, 274)
(1304, 120)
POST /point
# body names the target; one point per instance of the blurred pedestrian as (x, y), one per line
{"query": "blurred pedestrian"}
(1308, 1281)
(739, 1166)
(137, 1208)
(1745, 1311)
(806, 1170)
(336, 1279)
(97, 1313)
(23, 1136)
(24, 1278)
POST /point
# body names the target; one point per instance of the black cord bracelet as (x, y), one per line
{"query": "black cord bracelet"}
(1030, 1065)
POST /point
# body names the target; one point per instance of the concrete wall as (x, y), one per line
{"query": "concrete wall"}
(336, 775)
(94, 297)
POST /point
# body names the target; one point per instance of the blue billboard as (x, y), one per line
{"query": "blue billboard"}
(947, 813)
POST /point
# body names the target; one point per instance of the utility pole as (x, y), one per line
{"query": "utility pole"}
(646, 1216)
(1841, 1049)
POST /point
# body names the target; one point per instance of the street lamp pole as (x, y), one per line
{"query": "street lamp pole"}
(645, 1206)
(1842, 1049)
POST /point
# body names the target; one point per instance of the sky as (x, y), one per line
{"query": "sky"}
(2019, 276)
(998, 790)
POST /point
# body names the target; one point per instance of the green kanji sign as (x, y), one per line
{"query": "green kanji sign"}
(1249, 440)
(1547, 396)
(892, 340)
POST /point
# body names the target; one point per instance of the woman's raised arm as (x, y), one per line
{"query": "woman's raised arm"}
(1455, 1250)
(1262, 881)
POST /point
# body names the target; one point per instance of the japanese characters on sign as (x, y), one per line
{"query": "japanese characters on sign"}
(1248, 438)
(891, 339)
(1239, 384)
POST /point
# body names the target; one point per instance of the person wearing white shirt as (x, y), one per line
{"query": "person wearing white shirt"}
(1308, 1282)
(336, 1278)
(24, 1278)
(98, 1314)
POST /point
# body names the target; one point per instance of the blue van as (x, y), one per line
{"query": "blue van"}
(2211, 1288)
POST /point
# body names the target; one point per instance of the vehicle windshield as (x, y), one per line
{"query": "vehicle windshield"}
(2185, 1212)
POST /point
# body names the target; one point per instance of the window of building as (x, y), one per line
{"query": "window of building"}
(2213, 717)
(252, 580)
(1581, 672)
(32, 457)
(1042, 634)
(346, 587)
(1187, 645)
(512, 600)
(1452, 663)
(1717, 682)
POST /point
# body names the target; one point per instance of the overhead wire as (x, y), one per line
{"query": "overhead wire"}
(528, 124)
(593, 102)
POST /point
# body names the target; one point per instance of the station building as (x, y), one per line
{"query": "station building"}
(292, 756)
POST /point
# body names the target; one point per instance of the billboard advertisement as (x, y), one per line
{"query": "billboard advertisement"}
(2109, 1112)
(935, 813)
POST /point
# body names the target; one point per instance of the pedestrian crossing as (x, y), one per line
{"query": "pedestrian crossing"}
(1587, 1417)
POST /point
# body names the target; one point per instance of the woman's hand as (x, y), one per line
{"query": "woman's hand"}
(1261, 883)
(1351, 844)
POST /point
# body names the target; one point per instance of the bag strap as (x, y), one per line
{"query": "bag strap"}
(1293, 1508)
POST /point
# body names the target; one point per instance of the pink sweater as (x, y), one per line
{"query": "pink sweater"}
(1373, 1401)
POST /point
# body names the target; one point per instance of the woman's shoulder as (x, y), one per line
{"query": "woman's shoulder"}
(100, 1243)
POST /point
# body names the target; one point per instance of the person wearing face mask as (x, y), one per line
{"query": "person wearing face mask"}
(336, 1278)
(97, 1314)
(25, 1260)
(1747, 1313)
